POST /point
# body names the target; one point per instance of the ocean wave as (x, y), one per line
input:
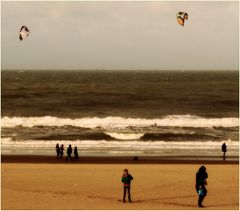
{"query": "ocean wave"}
(73, 137)
(120, 122)
(130, 136)
(177, 136)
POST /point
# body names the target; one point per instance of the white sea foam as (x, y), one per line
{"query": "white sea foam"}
(130, 145)
(126, 136)
(120, 122)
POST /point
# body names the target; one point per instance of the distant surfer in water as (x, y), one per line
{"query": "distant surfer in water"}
(126, 180)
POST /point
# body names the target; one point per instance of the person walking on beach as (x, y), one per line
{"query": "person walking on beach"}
(201, 181)
(126, 180)
(224, 150)
(69, 153)
(76, 153)
(61, 151)
(58, 150)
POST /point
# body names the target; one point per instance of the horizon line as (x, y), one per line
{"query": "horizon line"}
(106, 69)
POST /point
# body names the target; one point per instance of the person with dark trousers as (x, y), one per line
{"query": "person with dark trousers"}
(224, 150)
(76, 153)
(69, 153)
(58, 150)
(201, 181)
(61, 151)
(126, 180)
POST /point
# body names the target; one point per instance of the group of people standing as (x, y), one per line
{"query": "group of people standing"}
(60, 152)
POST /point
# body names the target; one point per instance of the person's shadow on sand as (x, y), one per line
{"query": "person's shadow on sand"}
(140, 201)
(223, 205)
(164, 198)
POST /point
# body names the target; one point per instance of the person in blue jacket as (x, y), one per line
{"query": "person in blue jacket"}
(201, 181)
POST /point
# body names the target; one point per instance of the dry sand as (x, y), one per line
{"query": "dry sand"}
(98, 186)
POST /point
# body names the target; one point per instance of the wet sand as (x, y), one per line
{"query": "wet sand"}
(95, 183)
(121, 159)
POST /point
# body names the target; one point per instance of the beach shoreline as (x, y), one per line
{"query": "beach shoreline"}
(121, 159)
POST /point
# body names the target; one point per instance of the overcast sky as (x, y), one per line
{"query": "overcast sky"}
(120, 35)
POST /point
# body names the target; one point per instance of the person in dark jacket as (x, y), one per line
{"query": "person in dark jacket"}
(58, 150)
(201, 181)
(224, 150)
(61, 151)
(69, 153)
(126, 180)
(76, 153)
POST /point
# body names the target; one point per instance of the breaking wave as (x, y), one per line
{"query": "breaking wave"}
(98, 136)
(120, 122)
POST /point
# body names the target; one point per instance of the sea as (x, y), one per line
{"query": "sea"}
(120, 113)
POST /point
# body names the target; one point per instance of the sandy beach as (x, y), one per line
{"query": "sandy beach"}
(92, 185)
